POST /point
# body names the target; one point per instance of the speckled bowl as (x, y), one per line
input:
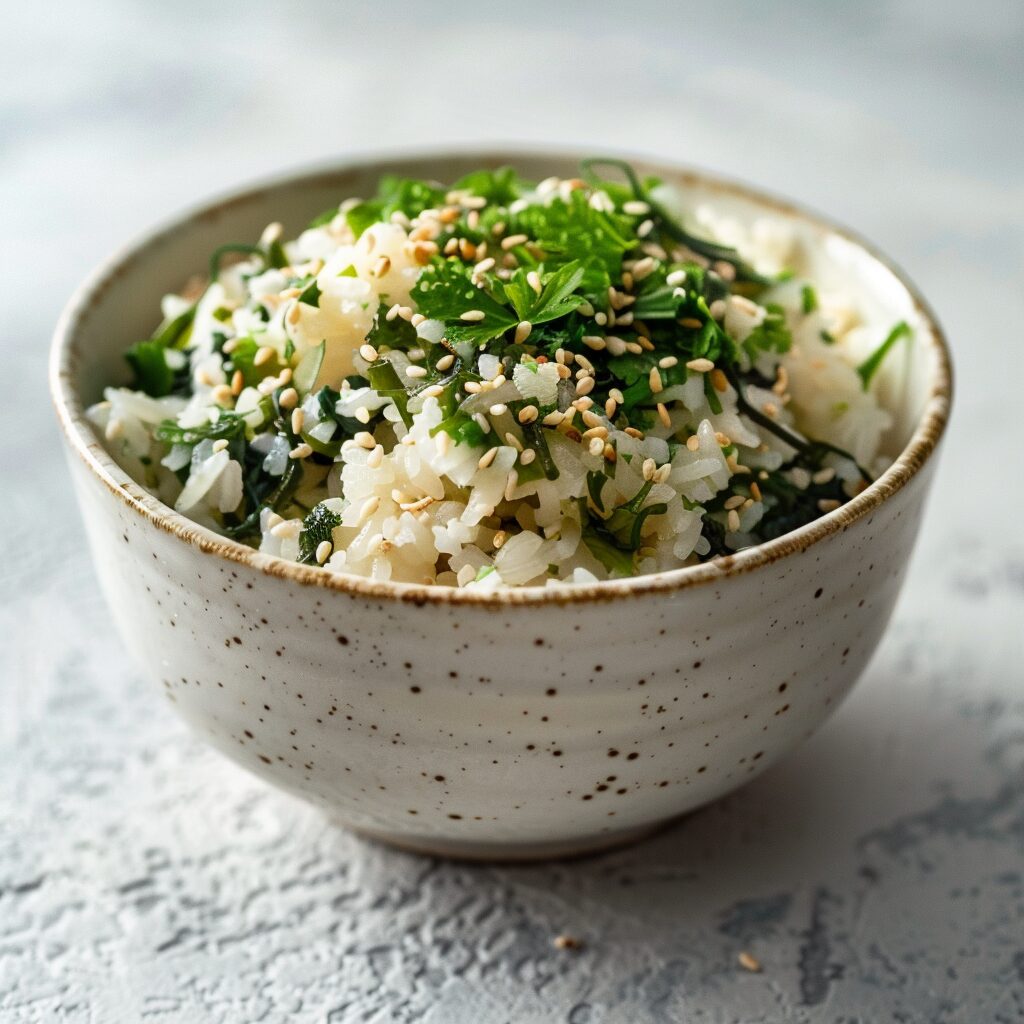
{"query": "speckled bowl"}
(522, 724)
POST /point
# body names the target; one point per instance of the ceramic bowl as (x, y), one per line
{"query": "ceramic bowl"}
(520, 724)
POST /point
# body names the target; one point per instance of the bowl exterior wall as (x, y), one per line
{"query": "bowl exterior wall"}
(467, 728)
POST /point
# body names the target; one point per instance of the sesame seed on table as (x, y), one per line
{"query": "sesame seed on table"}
(873, 875)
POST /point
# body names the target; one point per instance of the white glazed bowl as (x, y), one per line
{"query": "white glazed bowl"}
(521, 724)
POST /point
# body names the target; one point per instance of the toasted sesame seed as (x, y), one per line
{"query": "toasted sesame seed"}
(733, 521)
(824, 476)
(473, 315)
(598, 431)
(693, 442)
(365, 440)
(323, 551)
(523, 329)
(609, 408)
(636, 208)
(563, 371)
(735, 501)
(596, 446)
(294, 314)
(755, 491)
(553, 418)
(298, 420)
(434, 391)
(382, 266)
(405, 312)
(300, 451)
(498, 409)
(663, 415)
(444, 363)
(513, 442)
(600, 318)
(749, 962)
(472, 387)
(511, 241)
(484, 265)
(415, 371)
(643, 268)
(487, 458)
(585, 386)
(667, 362)
(369, 506)
(635, 347)
(369, 353)
(594, 342)
(770, 409)
(221, 394)
(828, 505)
(527, 456)
(533, 280)
(719, 381)
(528, 414)
(700, 365)
(654, 381)
(417, 319)
(237, 382)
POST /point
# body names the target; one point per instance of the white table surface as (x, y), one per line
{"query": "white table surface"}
(878, 873)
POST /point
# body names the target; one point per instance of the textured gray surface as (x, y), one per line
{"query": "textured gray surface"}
(878, 874)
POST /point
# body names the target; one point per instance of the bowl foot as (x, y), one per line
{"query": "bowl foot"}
(470, 850)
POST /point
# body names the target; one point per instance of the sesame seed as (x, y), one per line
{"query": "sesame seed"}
(676, 278)
(294, 314)
(663, 473)
(770, 409)
(596, 446)
(598, 431)
(392, 312)
(533, 280)
(636, 208)
(511, 241)
(700, 365)
(523, 329)
(443, 443)
(382, 266)
(735, 501)
(487, 458)
(755, 491)
(498, 409)
(369, 353)
(654, 381)
(594, 342)
(824, 476)
(828, 504)
(553, 418)
(563, 371)
(645, 228)
(220, 444)
(484, 265)
(512, 441)
(482, 422)
(362, 414)
(237, 382)
(368, 508)
(635, 347)
(667, 362)
(444, 363)
(434, 391)
(693, 443)
(298, 420)
(229, 346)
(609, 408)
(405, 312)
(590, 419)
(300, 451)
(663, 415)
(528, 456)
(633, 432)
(648, 469)
(415, 371)
(365, 439)
(417, 319)
(323, 551)
(472, 387)
(749, 962)
(473, 315)
(221, 394)
(643, 268)
(418, 505)
(717, 309)
(600, 319)
(733, 521)
(719, 381)
(585, 386)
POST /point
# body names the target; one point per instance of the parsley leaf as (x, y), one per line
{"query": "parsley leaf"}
(317, 527)
(445, 290)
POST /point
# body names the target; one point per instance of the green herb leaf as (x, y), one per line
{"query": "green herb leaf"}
(445, 291)
(869, 367)
(317, 527)
(148, 360)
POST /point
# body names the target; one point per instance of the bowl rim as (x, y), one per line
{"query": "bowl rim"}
(82, 439)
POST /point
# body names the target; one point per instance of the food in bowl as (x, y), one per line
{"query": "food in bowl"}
(504, 383)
